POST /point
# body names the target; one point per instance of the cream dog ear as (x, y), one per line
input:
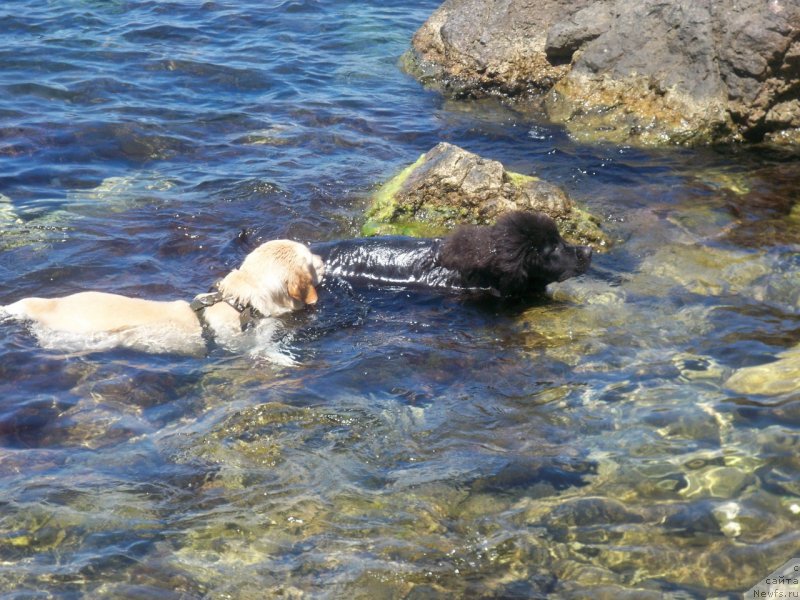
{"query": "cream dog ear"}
(301, 288)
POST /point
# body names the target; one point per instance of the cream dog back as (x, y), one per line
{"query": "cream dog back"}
(277, 277)
(89, 312)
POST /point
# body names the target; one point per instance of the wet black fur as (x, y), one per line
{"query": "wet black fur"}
(520, 254)
(517, 256)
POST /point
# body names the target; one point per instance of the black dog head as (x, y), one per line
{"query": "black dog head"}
(519, 255)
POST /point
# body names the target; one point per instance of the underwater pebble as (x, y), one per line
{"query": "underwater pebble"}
(581, 573)
(720, 482)
(693, 367)
(690, 423)
(613, 592)
(726, 515)
(779, 377)
(694, 518)
(590, 511)
(581, 290)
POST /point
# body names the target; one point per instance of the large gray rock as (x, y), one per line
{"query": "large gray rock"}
(649, 71)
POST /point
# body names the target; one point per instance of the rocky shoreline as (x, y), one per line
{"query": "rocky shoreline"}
(651, 72)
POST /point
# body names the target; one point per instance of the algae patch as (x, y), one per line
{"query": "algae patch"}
(385, 216)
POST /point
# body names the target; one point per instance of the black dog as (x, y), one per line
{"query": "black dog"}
(517, 256)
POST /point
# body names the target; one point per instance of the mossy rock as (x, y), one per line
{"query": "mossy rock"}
(448, 186)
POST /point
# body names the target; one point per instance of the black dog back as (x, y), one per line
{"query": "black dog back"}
(517, 256)
(389, 260)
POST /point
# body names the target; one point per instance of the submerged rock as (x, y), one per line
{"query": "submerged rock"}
(448, 186)
(648, 72)
(590, 511)
(779, 377)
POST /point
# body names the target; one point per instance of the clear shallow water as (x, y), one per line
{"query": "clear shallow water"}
(421, 446)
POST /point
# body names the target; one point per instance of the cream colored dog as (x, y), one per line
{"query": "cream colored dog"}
(277, 277)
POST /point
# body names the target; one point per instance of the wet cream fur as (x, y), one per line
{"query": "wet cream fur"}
(277, 277)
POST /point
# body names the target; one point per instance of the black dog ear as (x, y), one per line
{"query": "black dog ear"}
(519, 229)
(467, 250)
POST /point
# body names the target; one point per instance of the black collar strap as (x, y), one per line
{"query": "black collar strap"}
(247, 314)
(199, 305)
(203, 301)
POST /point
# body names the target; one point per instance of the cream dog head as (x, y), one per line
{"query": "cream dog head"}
(277, 277)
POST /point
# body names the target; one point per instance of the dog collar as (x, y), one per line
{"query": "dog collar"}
(247, 314)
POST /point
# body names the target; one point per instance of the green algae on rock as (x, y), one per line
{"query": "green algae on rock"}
(448, 186)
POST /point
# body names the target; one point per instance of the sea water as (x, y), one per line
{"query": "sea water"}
(387, 443)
